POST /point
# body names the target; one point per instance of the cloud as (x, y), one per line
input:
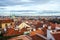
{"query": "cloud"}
(14, 2)
(22, 2)
(29, 7)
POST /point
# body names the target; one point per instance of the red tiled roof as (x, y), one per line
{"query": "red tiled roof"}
(56, 36)
(6, 21)
(37, 31)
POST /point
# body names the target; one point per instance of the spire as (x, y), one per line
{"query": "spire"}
(12, 15)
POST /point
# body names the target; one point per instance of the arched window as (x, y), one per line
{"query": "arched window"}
(6, 25)
(0, 25)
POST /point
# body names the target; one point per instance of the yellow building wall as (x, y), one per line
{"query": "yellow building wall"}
(3, 25)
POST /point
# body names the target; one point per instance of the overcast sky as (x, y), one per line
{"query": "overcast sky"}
(30, 7)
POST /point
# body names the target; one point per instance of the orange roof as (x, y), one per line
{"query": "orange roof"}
(6, 21)
(56, 36)
(37, 31)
